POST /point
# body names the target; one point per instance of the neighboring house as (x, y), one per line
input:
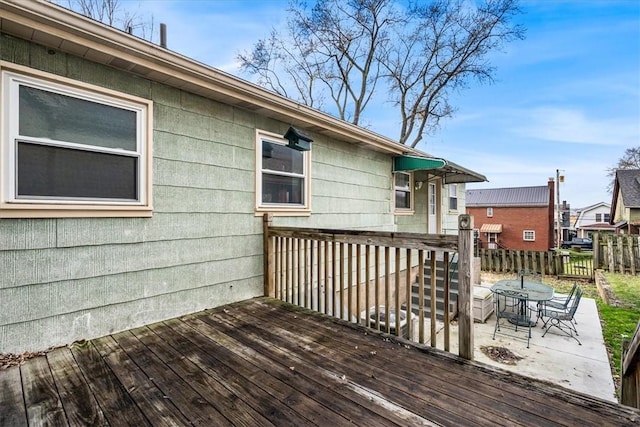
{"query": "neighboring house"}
(518, 218)
(593, 219)
(133, 180)
(625, 203)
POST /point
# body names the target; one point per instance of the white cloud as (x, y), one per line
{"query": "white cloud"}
(573, 126)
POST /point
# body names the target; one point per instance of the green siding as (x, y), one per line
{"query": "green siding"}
(79, 278)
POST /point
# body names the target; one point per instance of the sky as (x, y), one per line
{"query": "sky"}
(566, 99)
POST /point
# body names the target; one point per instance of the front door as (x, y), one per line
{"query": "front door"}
(432, 219)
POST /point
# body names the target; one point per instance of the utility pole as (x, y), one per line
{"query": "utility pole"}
(558, 215)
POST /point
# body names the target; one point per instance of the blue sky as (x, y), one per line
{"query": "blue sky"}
(567, 97)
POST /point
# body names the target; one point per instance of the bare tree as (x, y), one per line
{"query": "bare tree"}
(350, 51)
(629, 160)
(112, 13)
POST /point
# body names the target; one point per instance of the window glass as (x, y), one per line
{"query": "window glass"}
(489, 212)
(45, 114)
(529, 235)
(47, 171)
(606, 217)
(280, 158)
(432, 199)
(598, 217)
(282, 189)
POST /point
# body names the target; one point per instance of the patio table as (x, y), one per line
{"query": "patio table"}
(535, 291)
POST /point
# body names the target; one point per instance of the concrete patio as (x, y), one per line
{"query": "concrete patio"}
(555, 357)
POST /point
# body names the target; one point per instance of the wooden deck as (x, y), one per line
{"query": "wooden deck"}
(261, 362)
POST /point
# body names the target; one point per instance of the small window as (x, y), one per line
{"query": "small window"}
(606, 218)
(529, 235)
(453, 197)
(598, 217)
(72, 149)
(489, 212)
(403, 193)
(282, 175)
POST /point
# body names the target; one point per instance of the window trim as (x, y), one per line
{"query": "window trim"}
(532, 238)
(41, 207)
(275, 209)
(490, 212)
(411, 209)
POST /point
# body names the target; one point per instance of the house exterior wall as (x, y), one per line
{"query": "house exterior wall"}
(513, 226)
(588, 217)
(65, 279)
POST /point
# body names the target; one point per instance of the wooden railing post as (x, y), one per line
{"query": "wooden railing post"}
(465, 287)
(269, 284)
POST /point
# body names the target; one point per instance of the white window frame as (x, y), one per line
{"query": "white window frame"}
(529, 235)
(288, 209)
(11, 206)
(411, 191)
(489, 212)
(453, 195)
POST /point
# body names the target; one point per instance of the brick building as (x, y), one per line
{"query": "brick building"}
(518, 218)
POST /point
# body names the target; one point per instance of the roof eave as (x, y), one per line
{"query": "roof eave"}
(65, 31)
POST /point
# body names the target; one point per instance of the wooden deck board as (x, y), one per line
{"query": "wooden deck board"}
(262, 362)
(471, 383)
(40, 394)
(114, 400)
(12, 410)
(79, 404)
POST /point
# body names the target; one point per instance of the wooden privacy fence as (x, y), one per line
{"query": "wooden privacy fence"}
(365, 277)
(554, 263)
(617, 253)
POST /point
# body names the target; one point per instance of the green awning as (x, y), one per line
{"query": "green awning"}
(450, 172)
(411, 163)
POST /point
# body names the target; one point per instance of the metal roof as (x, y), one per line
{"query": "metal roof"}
(515, 196)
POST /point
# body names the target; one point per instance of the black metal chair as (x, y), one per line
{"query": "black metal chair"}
(559, 301)
(512, 307)
(562, 318)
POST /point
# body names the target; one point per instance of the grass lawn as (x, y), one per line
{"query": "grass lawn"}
(619, 322)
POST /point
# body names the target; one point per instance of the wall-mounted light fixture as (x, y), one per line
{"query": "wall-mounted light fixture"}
(298, 140)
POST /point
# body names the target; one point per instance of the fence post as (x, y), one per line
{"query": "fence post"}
(596, 251)
(465, 288)
(269, 285)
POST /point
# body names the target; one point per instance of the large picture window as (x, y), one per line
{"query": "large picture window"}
(67, 148)
(282, 176)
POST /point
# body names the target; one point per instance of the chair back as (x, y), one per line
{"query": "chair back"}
(576, 301)
(507, 299)
(570, 295)
(531, 275)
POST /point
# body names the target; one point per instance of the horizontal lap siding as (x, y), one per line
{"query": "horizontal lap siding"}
(78, 278)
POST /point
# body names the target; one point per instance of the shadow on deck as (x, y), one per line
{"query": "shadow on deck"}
(263, 362)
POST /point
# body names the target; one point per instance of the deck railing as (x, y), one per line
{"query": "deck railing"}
(630, 381)
(366, 277)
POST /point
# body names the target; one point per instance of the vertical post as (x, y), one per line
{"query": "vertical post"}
(269, 286)
(465, 291)
(559, 235)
